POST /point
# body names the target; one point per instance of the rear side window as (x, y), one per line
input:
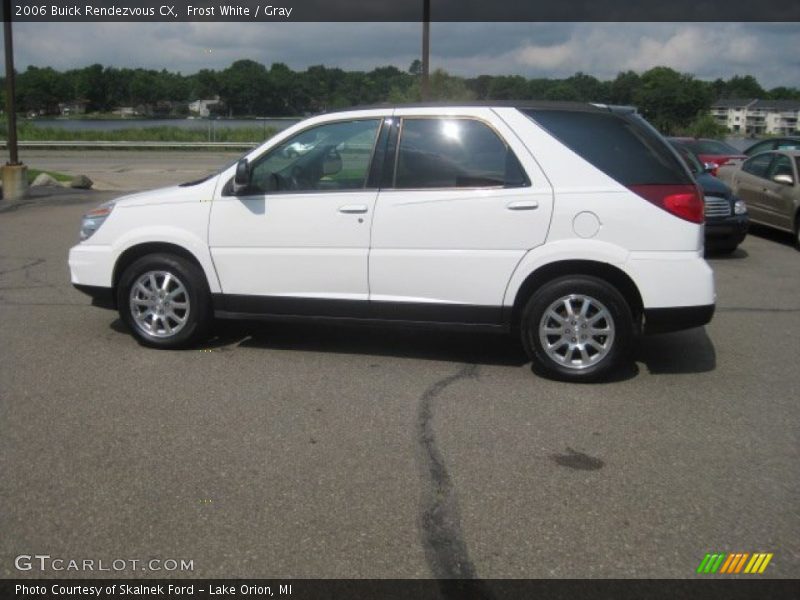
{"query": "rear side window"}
(454, 153)
(789, 145)
(624, 147)
(781, 166)
(758, 165)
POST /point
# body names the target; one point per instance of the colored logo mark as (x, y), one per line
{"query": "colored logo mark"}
(735, 562)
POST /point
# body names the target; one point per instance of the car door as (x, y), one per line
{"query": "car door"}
(296, 240)
(777, 197)
(463, 203)
(748, 182)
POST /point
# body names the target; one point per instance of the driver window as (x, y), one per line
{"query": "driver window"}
(334, 156)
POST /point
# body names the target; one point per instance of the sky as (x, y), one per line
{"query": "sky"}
(768, 51)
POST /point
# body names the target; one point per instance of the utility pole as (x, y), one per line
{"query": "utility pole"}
(426, 49)
(15, 174)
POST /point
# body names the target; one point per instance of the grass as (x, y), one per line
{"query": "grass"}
(60, 177)
(29, 132)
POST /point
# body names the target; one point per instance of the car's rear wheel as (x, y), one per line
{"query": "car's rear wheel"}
(164, 300)
(577, 328)
(797, 231)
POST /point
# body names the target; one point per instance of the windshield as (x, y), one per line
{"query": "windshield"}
(689, 158)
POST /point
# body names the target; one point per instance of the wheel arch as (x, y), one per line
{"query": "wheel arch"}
(602, 270)
(135, 252)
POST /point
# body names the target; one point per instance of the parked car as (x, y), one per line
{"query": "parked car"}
(768, 182)
(779, 143)
(572, 225)
(712, 152)
(726, 214)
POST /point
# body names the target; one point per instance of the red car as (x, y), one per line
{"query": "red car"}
(710, 151)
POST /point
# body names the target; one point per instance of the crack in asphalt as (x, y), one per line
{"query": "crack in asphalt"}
(35, 262)
(440, 521)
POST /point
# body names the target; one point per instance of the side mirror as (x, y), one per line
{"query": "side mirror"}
(241, 181)
(784, 179)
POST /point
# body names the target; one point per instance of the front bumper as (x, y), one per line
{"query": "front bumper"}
(102, 297)
(727, 229)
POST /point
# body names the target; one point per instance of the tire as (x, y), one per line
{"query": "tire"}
(797, 231)
(178, 314)
(552, 346)
(722, 248)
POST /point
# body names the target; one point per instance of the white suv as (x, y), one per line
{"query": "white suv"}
(575, 225)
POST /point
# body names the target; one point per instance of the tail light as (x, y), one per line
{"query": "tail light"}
(684, 201)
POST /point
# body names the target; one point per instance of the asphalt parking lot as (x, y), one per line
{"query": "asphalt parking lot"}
(308, 451)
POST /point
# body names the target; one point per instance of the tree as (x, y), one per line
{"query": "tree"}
(624, 87)
(204, 85)
(784, 93)
(90, 85)
(415, 68)
(743, 87)
(245, 87)
(562, 90)
(512, 87)
(41, 90)
(586, 88)
(706, 126)
(669, 99)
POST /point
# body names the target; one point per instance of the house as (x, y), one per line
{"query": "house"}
(752, 116)
(78, 107)
(125, 111)
(202, 108)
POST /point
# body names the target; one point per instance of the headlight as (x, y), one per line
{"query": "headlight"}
(739, 207)
(92, 220)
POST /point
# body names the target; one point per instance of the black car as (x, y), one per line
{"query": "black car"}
(779, 143)
(726, 215)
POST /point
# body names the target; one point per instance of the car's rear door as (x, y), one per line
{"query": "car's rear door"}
(461, 203)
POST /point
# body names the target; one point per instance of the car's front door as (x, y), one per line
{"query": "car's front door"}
(777, 196)
(296, 240)
(748, 182)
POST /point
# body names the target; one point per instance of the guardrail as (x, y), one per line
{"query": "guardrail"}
(123, 144)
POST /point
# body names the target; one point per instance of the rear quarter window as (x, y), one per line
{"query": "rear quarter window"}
(623, 146)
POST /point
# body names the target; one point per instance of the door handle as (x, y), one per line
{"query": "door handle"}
(523, 205)
(353, 209)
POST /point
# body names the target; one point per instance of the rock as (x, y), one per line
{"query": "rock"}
(81, 182)
(43, 179)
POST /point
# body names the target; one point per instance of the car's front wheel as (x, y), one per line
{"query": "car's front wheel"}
(577, 328)
(164, 300)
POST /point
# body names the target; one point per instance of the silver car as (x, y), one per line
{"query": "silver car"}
(769, 183)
